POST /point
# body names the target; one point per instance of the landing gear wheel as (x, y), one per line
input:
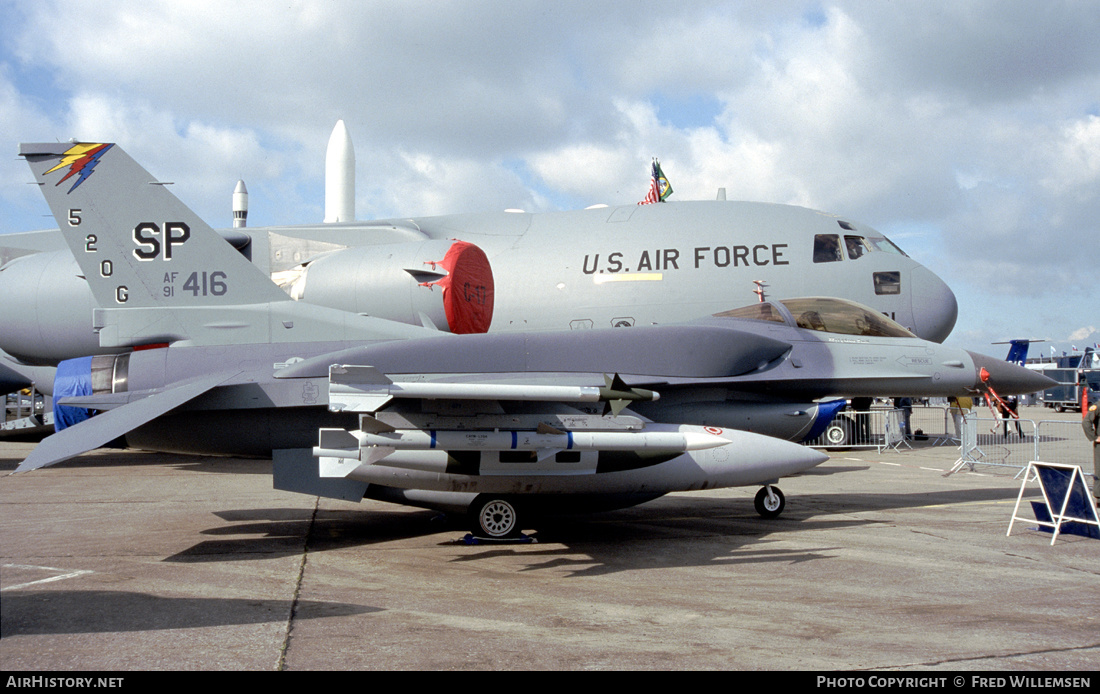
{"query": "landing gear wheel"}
(839, 432)
(770, 502)
(494, 517)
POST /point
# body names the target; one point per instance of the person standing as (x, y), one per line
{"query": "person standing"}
(960, 407)
(1008, 409)
(1014, 412)
(862, 408)
(1091, 425)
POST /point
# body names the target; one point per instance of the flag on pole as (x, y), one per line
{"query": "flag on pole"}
(659, 187)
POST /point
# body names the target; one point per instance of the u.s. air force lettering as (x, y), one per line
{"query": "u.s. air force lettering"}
(664, 259)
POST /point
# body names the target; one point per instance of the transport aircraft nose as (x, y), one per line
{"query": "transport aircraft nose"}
(1007, 378)
(934, 306)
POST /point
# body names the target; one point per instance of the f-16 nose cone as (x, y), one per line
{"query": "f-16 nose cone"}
(1007, 378)
(935, 308)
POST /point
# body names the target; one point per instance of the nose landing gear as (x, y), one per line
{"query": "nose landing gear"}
(770, 502)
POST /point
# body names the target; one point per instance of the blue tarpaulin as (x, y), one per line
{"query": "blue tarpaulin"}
(74, 377)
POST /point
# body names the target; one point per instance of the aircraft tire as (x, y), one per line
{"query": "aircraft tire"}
(770, 505)
(494, 517)
(839, 432)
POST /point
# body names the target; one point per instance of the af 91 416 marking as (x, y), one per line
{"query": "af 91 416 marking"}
(198, 283)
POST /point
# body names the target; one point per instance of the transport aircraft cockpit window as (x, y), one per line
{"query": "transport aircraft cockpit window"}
(887, 282)
(886, 245)
(842, 317)
(827, 248)
(857, 246)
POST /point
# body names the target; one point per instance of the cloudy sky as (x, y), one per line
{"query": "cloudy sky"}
(968, 132)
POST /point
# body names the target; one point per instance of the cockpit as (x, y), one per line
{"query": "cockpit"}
(832, 248)
(827, 247)
(824, 314)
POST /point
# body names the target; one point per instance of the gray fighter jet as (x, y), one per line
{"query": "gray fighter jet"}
(212, 357)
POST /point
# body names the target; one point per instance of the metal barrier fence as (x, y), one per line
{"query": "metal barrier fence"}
(19, 404)
(981, 440)
(1014, 443)
(26, 413)
(933, 424)
(877, 428)
(883, 428)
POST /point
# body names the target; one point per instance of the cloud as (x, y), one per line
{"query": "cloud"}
(1082, 333)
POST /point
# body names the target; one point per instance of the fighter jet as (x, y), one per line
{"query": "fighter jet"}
(212, 357)
(601, 267)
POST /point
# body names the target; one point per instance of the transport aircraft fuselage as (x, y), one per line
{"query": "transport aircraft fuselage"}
(597, 268)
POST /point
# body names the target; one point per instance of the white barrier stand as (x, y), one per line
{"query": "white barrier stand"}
(1060, 484)
(893, 433)
(969, 453)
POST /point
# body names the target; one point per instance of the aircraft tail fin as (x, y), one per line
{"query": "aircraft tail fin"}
(136, 243)
(1017, 351)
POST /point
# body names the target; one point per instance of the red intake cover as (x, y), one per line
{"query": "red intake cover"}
(467, 289)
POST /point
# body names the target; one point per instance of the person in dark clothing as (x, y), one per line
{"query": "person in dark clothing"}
(1091, 425)
(1009, 412)
(862, 408)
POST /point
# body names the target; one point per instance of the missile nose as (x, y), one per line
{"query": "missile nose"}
(935, 308)
(1007, 378)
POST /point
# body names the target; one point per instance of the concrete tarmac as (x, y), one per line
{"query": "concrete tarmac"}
(124, 560)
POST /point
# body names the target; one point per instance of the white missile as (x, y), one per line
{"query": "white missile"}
(339, 176)
(338, 443)
(240, 206)
(365, 389)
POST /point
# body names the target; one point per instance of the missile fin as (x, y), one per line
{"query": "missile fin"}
(376, 453)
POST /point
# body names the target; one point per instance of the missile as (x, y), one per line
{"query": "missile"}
(240, 206)
(545, 442)
(617, 394)
(365, 389)
(339, 176)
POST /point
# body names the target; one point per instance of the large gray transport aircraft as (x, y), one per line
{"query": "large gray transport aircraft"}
(211, 356)
(602, 267)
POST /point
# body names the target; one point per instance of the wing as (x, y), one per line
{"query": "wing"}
(98, 431)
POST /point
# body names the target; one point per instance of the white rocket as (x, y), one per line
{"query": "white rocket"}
(240, 206)
(339, 176)
(339, 182)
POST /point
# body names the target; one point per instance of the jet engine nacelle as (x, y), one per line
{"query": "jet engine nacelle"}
(45, 309)
(442, 283)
